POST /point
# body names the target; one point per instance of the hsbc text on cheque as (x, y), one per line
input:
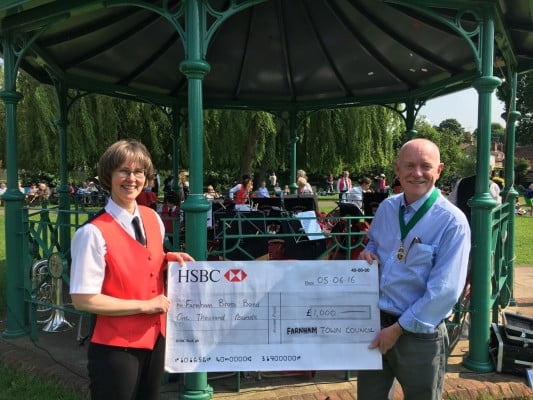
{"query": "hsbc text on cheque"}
(272, 315)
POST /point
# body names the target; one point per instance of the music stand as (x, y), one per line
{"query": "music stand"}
(371, 202)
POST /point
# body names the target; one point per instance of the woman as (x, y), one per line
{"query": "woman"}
(355, 194)
(117, 274)
(303, 186)
(211, 193)
(240, 193)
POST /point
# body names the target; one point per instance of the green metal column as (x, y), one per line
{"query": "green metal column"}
(509, 194)
(482, 204)
(17, 315)
(194, 67)
(293, 131)
(176, 141)
(63, 189)
(410, 119)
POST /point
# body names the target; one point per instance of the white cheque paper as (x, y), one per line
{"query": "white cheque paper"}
(272, 315)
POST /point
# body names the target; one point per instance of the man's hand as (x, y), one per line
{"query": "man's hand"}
(387, 338)
(368, 256)
(179, 257)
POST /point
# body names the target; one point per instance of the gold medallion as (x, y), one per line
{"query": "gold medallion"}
(400, 254)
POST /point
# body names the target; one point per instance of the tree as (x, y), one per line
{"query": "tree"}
(360, 139)
(452, 126)
(521, 168)
(450, 151)
(497, 132)
(524, 105)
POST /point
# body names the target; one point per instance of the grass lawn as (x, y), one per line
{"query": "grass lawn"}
(18, 385)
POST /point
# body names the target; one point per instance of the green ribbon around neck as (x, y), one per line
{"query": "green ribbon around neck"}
(405, 229)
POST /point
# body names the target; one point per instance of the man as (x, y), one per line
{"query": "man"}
(422, 242)
(466, 188)
(273, 180)
(344, 183)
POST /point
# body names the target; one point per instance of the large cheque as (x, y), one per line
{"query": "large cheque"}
(272, 315)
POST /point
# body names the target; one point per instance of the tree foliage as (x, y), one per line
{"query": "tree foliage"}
(521, 168)
(524, 105)
(362, 140)
(450, 151)
(452, 126)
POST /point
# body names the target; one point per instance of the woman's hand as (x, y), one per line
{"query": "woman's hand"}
(159, 304)
(179, 257)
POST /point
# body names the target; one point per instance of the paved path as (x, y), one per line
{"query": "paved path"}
(59, 357)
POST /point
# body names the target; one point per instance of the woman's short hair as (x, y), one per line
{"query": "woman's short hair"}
(301, 181)
(124, 151)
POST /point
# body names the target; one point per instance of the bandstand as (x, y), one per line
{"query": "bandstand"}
(289, 58)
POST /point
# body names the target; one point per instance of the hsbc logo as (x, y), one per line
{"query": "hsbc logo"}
(235, 275)
(198, 275)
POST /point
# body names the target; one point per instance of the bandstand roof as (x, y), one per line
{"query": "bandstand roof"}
(273, 53)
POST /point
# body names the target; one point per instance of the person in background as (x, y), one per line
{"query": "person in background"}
(184, 184)
(117, 269)
(517, 208)
(303, 186)
(156, 183)
(355, 194)
(31, 195)
(263, 190)
(92, 193)
(43, 192)
(273, 179)
(167, 183)
(421, 243)
(465, 188)
(382, 186)
(170, 211)
(396, 186)
(211, 193)
(240, 193)
(528, 196)
(147, 198)
(344, 183)
(329, 184)
(286, 190)
(277, 190)
(3, 188)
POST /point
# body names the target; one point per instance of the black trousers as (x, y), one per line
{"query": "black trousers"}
(125, 373)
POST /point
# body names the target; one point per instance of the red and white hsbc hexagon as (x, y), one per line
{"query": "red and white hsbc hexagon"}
(235, 275)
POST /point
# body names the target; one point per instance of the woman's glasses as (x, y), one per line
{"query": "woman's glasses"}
(125, 173)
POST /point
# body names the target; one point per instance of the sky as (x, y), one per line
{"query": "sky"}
(462, 106)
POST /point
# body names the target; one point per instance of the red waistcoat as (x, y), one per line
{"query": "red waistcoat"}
(241, 195)
(346, 186)
(132, 272)
(168, 217)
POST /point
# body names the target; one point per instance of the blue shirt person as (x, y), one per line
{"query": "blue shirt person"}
(422, 244)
